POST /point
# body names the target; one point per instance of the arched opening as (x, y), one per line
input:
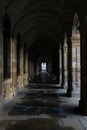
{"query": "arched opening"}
(43, 67)
(6, 47)
(76, 52)
(65, 61)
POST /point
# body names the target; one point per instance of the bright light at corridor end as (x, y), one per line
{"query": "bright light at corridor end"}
(43, 67)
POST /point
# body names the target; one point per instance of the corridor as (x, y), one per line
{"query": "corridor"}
(43, 64)
(43, 106)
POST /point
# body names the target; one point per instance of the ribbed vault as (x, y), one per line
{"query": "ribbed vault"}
(40, 22)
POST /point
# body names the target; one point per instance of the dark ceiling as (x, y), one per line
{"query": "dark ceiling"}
(41, 23)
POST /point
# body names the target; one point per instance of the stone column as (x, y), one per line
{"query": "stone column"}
(13, 65)
(1, 62)
(31, 69)
(83, 46)
(21, 67)
(29, 73)
(38, 68)
(56, 66)
(26, 62)
(62, 65)
(35, 68)
(26, 70)
(49, 66)
(27, 67)
(69, 65)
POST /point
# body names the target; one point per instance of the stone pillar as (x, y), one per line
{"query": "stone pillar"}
(27, 67)
(62, 65)
(49, 66)
(35, 68)
(83, 46)
(26, 63)
(13, 66)
(21, 67)
(69, 65)
(29, 72)
(26, 70)
(31, 69)
(56, 66)
(1, 62)
(38, 68)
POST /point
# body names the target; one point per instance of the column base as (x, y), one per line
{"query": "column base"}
(69, 92)
(83, 107)
(62, 85)
(57, 80)
(1, 101)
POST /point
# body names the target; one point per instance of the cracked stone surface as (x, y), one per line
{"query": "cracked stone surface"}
(43, 107)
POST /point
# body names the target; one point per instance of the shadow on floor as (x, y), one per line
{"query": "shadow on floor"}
(45, 107)
(35, 124)
(44, 77)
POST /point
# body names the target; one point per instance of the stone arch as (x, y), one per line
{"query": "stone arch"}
(76, 49)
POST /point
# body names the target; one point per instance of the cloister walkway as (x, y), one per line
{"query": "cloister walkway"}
(43, 106)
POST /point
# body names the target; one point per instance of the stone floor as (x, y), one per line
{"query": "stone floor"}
(43, 106)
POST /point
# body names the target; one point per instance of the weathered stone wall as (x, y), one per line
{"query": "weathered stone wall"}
(1, 60)
(25, 79)
(9, 87)
(7, 91)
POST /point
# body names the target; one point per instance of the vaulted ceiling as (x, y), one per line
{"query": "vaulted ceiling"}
(40, 22)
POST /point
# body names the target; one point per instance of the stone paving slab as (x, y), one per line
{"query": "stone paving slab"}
(74, 123)
(83, 121)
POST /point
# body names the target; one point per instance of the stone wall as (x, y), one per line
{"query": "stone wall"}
(25, 79)
(9, 87)
(7, 90)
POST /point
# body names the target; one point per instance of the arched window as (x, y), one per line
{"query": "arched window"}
(6, 47)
